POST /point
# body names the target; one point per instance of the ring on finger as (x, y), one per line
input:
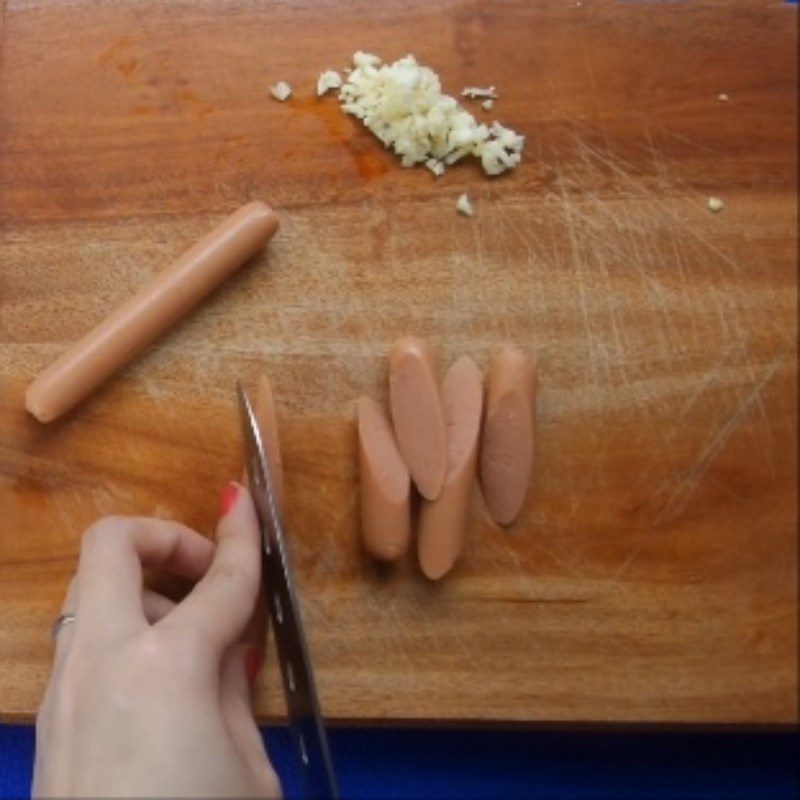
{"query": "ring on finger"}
(61, 621)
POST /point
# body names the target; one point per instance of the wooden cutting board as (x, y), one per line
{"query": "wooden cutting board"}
(652, 576)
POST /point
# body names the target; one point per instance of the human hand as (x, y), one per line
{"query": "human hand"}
(151, 698)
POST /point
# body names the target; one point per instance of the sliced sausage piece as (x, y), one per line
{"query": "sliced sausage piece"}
(507, 444)
(264, 410)
(443, 521)
(161, 303)
(384, 485)
(417, 414)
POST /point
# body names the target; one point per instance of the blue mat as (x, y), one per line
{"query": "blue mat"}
(472, 765)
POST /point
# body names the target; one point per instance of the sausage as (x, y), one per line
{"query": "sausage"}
(417, 414)
(264, 410)
(507, 445)
(443, 521)
(159, 304)
(384, 485)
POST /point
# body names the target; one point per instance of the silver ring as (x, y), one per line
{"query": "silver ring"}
(61, 621)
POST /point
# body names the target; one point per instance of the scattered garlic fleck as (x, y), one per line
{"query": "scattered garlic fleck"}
(476, 92)
(281, 90)
(403, 105)
(464, 206)
(487, 105)
(330, 79)
(723, 98)
(435, 166)
(715, 204)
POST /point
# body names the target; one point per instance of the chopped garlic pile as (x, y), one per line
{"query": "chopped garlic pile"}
(281, 90)
(403, 105)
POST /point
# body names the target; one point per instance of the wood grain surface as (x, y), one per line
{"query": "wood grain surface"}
(652, 576)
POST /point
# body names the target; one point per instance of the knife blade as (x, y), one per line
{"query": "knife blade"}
(302, 702)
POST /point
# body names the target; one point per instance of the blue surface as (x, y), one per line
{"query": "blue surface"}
(417, 764)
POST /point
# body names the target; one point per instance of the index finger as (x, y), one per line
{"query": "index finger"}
(221, 604)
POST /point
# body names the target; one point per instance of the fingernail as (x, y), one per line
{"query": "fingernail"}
(252, 663)
(228, 498)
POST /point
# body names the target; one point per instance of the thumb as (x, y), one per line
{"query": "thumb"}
(222, 603)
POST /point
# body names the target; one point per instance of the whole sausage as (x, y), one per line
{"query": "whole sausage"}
(417, 414)
(443, 521)
(161, 303)
(384, 485)
(507, 444)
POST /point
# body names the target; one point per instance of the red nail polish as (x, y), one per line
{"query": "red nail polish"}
(228, 498)
(252, 663)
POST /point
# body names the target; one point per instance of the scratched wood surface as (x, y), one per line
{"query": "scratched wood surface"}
(652, 575)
